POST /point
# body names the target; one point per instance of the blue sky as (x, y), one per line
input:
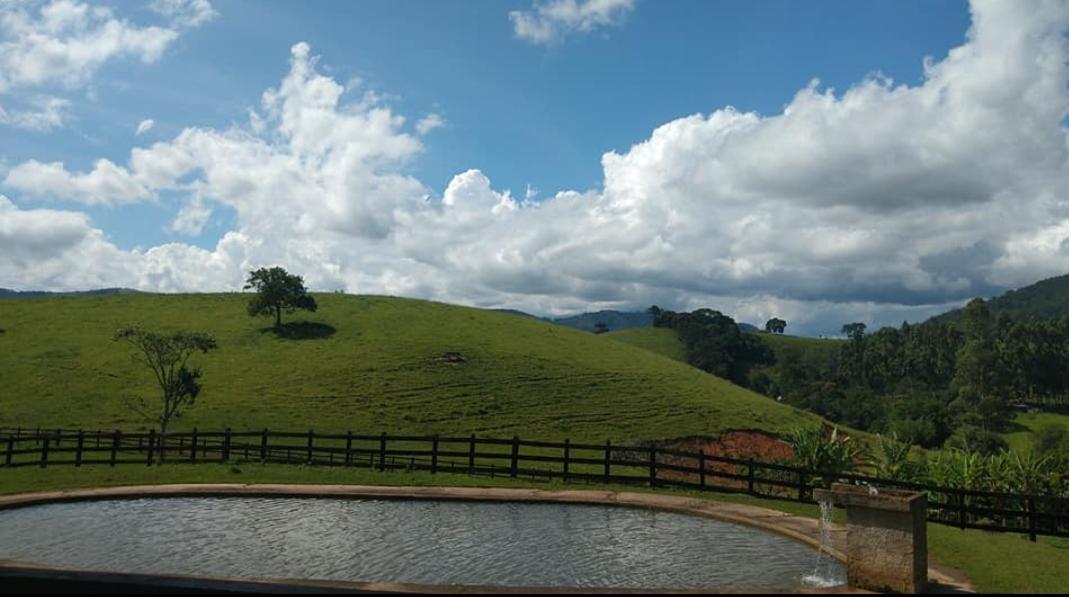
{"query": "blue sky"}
(526, 114)
(644, 83)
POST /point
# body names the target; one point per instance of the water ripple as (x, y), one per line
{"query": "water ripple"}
(504, 544)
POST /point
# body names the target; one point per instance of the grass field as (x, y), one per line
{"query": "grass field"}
(662, 341)
(372, 363)
(364, 363)
(812, 347)
(1027, 424)
(994, 562)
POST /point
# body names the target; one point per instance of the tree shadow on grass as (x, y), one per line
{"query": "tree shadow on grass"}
(301, 330)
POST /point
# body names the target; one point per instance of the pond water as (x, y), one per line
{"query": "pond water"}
(406, 541)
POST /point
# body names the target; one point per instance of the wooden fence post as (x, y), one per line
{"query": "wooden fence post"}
(471, 454)
(78, 451)
(1030, 508)
(193, 447)
(382, 451)
(653, 466)
(114, 445)
(750, 476)
(151, 446)
(515, 456)
(349, 448)
(226, 445)
(10, 449)
(44, 454)
(801, 484)
(263, 446)
(311, 438)
(434, 454)
(961, 509)
(567, 456)
(608, 454)
(701, 467)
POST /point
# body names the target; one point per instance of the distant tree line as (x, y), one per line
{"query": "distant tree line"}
(714, 342)
(942, 382)
(947, 382)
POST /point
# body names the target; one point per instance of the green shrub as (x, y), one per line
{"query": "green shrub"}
(817, 449)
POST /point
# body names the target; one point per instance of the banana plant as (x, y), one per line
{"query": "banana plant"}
(831, 452)
(890, 459)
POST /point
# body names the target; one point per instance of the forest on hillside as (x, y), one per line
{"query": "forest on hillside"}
(953, 382)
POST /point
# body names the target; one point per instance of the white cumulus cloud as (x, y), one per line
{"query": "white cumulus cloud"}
(185, 13)
(105, 184)
(878, 202)
(145, 126)
(429, 122)
(42, 114)
(59, 45)
(553, 20)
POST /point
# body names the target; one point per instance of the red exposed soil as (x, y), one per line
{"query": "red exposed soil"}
(743, 445)
(761, 446)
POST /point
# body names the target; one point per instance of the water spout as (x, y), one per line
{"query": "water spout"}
(822, 575)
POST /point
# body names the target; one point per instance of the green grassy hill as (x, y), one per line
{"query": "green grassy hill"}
(817, 347)
(1026, 425)
(369, 364)
(662, 341)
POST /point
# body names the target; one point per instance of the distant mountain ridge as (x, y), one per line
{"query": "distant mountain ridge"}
(619, 320)
(615, 320)
(1046, 299)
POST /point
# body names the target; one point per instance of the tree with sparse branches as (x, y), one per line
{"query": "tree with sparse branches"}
(277, 289)
(167, 356)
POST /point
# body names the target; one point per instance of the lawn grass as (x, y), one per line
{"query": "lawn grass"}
(994, 562)
(365, 363)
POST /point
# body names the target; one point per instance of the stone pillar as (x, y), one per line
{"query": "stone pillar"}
(886, 537)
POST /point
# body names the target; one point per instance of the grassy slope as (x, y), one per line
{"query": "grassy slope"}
(993, 562)
(378, 371)
(819, 347)
(1028, 423)
(662, 341)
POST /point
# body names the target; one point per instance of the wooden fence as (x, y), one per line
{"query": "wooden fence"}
(537, 460)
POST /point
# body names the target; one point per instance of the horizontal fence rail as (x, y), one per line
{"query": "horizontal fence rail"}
(513, 457)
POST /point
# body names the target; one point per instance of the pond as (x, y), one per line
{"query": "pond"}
(406, 541)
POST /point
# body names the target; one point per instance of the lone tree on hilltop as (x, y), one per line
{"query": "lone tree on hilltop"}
(276, 289)
(775, 325)
(855, 331)
(167, 356)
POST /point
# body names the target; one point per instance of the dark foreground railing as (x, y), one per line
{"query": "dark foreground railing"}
(538, 460)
